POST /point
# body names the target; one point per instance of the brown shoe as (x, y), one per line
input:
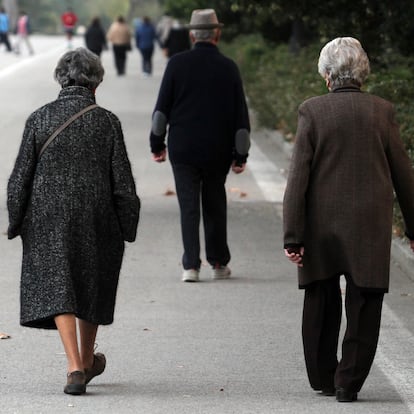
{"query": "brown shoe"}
(76, 384)
(99, 364)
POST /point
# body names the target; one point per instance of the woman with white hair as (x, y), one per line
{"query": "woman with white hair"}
(348, 159)
(72, 200)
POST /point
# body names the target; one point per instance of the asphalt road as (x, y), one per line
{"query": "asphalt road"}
(219, 347)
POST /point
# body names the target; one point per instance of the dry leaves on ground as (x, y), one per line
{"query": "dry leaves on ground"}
(242, 194)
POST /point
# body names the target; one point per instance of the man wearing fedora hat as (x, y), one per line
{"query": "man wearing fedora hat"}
(202, 104)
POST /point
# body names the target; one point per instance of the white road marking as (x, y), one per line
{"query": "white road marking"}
(29, 60)
(266, 174)
(395, 355)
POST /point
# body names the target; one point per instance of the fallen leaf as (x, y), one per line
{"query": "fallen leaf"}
(4, 336)
(169, 192)
(243, 194)
(146, 329)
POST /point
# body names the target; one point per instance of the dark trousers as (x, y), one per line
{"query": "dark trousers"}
(322, 312)
(193, 183)
(147, 60)
(4, 38)
(120, 56)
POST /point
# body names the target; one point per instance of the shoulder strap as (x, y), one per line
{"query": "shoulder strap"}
(63, 126)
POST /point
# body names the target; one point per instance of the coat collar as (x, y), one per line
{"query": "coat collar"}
(346, 88)
(205, 45)
(78, 91)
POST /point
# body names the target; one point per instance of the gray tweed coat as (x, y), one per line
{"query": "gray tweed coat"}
(347, 159)
(73, 209)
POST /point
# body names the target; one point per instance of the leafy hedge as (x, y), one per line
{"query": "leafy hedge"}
(277, 81)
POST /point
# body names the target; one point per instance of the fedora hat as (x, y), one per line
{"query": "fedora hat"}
(204, 19)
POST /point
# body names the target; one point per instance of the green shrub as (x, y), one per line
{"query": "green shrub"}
(276, 80)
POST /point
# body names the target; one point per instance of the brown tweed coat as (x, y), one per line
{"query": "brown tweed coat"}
(338, 203)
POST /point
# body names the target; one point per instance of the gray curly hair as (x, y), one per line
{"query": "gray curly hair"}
(79, 67)
(344, 61)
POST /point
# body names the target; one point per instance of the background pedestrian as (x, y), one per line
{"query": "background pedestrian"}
(202, 100)
(145, 37)
(73, 206)
(348, 159)
(120, 37)
(95, 37)
(69, 20)
(23, 33)
(178, 40)
(4, 29)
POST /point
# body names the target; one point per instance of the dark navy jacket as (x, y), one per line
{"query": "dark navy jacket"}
(203, 100)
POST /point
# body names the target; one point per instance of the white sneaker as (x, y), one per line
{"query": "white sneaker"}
(221, 272)
(190, 275)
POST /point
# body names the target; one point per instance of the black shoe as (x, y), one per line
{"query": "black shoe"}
(328, 392)
(343, 395)
(75, 383)
(99, 364)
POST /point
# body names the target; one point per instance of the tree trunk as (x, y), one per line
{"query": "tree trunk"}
(133, 10)
(12, 10)
(297, 37)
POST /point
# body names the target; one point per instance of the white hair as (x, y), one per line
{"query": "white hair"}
(343, 61)
(204, 35)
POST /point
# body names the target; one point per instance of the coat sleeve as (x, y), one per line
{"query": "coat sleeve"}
(294, 202)
(162, 110)
(242, 127)
(402, 175)
(20, 182)
(127, 203)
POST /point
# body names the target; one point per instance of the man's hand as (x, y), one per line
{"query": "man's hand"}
(160, 156)
(295, 255)
(237, 168)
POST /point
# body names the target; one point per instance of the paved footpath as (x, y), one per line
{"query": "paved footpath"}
(217, 347)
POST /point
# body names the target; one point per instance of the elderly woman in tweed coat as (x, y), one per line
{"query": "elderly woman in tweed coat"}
(338, 205)
(73, 206)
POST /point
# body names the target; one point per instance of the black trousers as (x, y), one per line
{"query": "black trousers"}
(4, 38)
(322, 312)
(120, 56)
(147, 60)
(208, 185)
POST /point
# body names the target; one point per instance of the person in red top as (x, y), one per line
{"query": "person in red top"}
(69, 19)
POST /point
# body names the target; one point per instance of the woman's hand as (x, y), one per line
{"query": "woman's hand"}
(295, 255)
